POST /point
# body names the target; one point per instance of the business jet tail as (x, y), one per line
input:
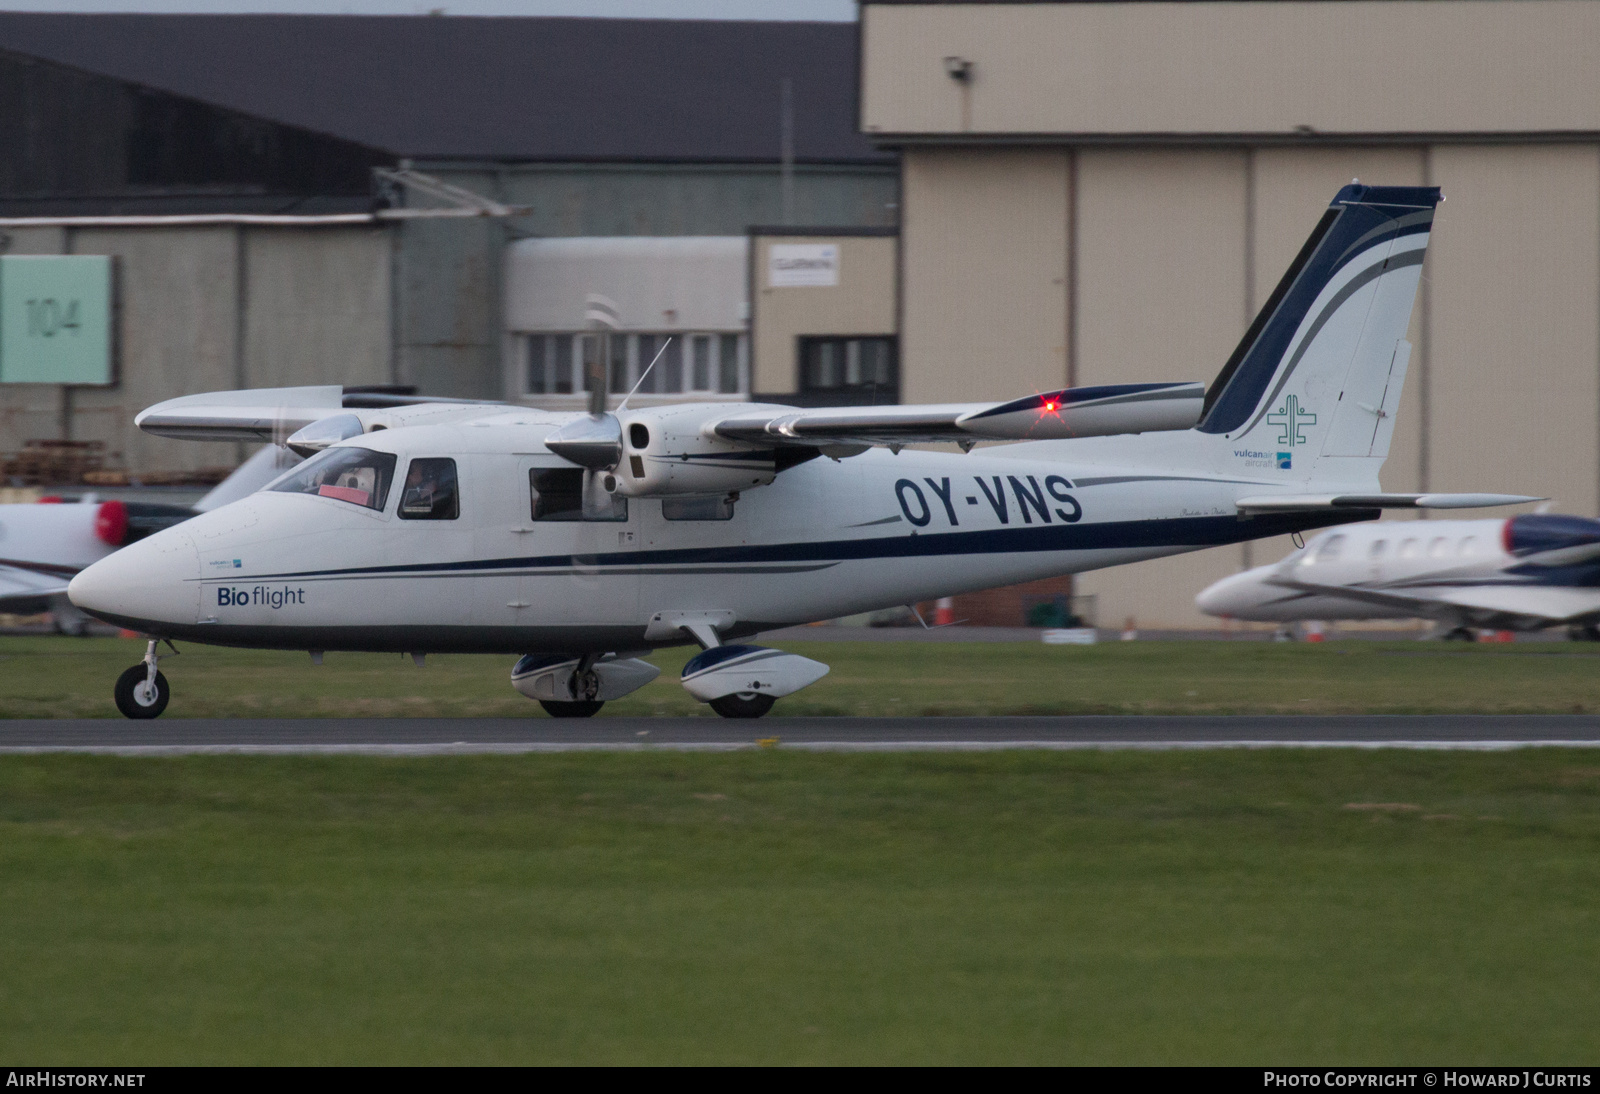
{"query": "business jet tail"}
(1314, 386)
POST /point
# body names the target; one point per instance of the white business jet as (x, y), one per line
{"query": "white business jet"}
(43, 546)
(583, 541)
(1524, 574)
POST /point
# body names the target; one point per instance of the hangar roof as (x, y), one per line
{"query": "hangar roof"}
(508, 89)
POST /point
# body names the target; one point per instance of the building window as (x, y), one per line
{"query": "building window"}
(692, 363)
(844, 371)
(550, 365)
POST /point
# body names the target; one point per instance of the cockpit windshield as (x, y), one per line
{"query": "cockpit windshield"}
(356, 475)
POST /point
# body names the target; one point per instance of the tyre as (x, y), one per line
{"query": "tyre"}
(135, 699)
(585, 709)
(743, 704)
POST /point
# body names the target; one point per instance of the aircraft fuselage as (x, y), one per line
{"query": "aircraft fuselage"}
(827, 538)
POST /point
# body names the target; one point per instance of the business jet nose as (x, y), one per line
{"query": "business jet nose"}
(144, 585)
(1235, 597)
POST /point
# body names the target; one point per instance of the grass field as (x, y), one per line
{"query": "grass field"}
(1268, 907)
(57, 677)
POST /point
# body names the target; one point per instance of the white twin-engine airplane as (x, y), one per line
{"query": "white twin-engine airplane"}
(582, 541)
(1530, 572)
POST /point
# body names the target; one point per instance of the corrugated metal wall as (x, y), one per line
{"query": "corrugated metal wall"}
(207, 309)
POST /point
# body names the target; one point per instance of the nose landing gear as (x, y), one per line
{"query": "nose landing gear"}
(142, 691)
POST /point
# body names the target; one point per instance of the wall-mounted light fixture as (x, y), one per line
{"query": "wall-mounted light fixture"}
(958, 69)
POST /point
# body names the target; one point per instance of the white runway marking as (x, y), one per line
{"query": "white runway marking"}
(518, 748)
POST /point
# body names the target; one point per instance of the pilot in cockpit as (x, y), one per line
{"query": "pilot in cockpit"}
(430, 490)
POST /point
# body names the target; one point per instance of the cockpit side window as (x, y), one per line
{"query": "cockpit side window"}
(556, 494)
(1330, 550)
(430, 492)
(355, 475)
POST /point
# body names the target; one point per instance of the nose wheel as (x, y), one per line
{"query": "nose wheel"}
(142, 691)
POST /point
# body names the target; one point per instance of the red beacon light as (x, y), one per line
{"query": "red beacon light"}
(1050, 404)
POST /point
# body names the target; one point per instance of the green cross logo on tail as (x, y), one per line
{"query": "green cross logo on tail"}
(1293, 420)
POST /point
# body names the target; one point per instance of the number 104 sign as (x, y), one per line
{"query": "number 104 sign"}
(55, 319)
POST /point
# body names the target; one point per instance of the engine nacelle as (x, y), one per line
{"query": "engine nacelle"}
(663, 452)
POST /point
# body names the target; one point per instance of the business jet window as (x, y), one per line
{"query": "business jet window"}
(697, 508)
(1411, 548)
(355, 475)
(556, 494)
(1469, 546)
(1330, 550)
(1439, 548)
(430, 492)
(1378, 549)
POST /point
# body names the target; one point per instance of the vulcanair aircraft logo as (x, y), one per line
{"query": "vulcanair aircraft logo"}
(1293, 418)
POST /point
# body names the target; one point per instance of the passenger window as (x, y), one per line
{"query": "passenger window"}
(556, 494)
(1330, 550)
(697, 508)
(430, 492)
(1439, 547)
(1378, 548)
(355, 475)
(1411, 548)
(1469, 546)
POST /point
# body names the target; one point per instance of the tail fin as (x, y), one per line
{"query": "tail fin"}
(1317, 378)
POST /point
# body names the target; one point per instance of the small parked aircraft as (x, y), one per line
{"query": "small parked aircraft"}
(1523, 574)
(43, 546)
(582, 541)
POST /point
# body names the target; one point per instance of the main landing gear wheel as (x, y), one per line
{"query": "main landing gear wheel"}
(743, 704)
(137, 697)
(587, 708)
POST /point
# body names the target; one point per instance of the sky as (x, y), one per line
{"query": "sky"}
(830, 10)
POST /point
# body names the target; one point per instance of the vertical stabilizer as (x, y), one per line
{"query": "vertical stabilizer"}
(1313, 387)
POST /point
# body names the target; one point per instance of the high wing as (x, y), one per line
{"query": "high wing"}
(309, 418)
(280, 415)
(1071, 412)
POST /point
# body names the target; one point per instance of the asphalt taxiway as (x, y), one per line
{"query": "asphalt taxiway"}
(438, 736)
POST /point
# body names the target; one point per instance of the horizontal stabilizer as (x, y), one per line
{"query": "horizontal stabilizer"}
(1057, 415)
(1288, 503)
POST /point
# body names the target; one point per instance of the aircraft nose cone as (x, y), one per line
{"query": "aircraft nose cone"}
(144, 585)
(1232, 597)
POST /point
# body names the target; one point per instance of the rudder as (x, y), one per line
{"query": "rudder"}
(1318, 375)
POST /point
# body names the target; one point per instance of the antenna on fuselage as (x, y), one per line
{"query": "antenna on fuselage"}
(624, 404)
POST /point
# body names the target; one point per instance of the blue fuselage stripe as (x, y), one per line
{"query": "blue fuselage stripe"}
(1191, 532)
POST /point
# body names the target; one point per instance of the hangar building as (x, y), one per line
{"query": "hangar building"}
(1106, 192)
(255, 180)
